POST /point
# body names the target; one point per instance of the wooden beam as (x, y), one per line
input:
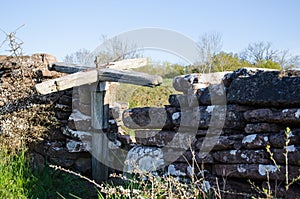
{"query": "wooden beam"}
(95, 75)
(129, 77)
(128, 64)
(69, 81)
(122, 65)
(67, 68)
(99, 149)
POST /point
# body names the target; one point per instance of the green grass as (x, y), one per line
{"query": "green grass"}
(13, 175)
(57, 184)
(139, 96)
(18, 180)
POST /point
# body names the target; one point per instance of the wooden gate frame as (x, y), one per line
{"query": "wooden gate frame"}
(100, 77)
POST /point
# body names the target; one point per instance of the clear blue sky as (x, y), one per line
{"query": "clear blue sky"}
(60, 27)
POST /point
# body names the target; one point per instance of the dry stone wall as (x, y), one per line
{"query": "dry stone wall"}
(57, 126)
(259, 107)
(28, 118)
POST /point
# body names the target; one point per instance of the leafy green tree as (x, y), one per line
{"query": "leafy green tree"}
(228, 62)
(268, 64)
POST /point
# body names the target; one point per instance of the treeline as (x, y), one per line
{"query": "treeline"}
(211, 57)
(221, 62)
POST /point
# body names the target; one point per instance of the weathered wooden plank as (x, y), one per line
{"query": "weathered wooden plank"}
(67, 68)
(100, 117)
(91, 76)
(99, 149)
(69, 81)
(129, 77)
(106, 100)
(122, 65)
(127, 64)
(97, 108)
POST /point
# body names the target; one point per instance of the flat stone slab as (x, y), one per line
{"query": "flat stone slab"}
(192, 82)
(266, 88)
(79, 121)
(293, 155)
(281, 116)
(187, 157)
(255, 171)
(277, 140)
(218, 116)
(218, 143)
(214, 94)
(242, 157)
(169, 118)
(148, 118)
(262, 128)
(255, 141)
(170, 139)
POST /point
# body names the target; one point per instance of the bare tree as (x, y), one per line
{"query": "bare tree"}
(210, 45)
(14, 43)
(79, 57)
(110, 50)
(114, 50)
(288, 61)
(259, 52)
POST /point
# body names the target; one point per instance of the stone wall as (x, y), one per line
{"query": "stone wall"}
(57, 126)
(229, 139)
(226, 122)
(39, 121)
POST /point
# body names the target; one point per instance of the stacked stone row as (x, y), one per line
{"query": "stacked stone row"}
(244, 136)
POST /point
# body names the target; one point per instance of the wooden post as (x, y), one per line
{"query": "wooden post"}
(100, 117)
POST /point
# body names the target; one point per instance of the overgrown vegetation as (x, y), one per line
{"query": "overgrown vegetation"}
(269, 191)
(14, 175)
(144, 185)
(19, 180)
(147, 185)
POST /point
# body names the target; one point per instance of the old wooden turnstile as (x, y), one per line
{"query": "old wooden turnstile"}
(99, 79)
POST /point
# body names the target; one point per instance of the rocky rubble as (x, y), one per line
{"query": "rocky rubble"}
(22, 110)
(28, 118)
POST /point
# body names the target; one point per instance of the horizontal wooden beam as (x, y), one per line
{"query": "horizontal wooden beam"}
(68, 81)
(67, 68)
(129, 77)
(126, 64)
(95, 75)
(74, 68)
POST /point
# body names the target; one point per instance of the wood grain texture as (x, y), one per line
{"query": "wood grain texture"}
(74, 68)
(95, 75)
